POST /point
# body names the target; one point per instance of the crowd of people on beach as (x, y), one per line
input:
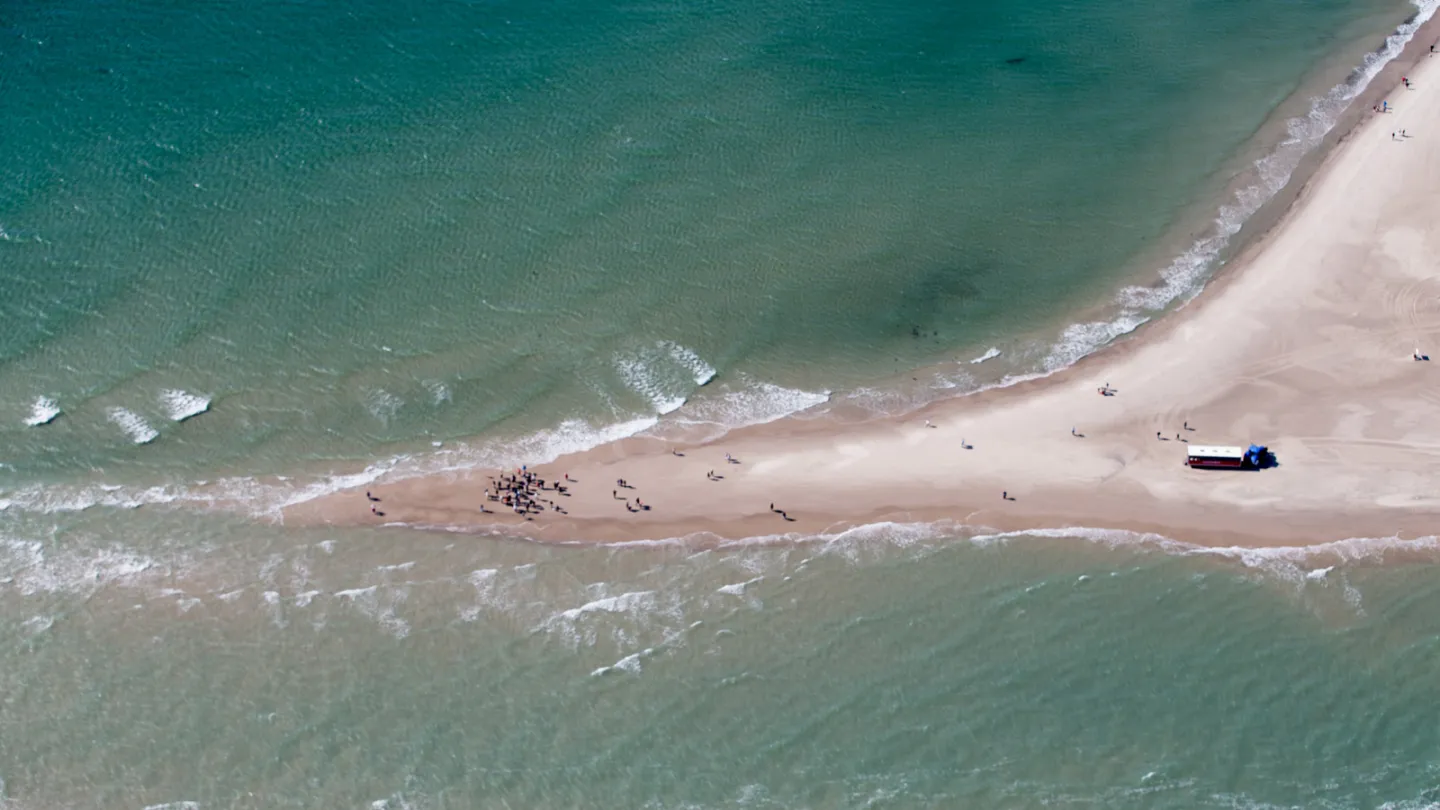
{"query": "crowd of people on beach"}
(520, 492)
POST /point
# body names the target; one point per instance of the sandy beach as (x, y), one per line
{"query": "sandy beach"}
(1303, 344)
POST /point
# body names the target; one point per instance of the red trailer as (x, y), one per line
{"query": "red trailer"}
(1221, 457)
(1215, 457)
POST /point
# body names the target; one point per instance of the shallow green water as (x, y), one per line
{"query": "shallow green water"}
(893, 667)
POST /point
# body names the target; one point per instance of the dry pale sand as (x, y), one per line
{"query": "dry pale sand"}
(1304, 345)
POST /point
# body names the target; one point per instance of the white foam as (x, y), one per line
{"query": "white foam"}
(1081, 339)
(134, 426)
(700, 371)
(181, 405)
(35, 625)
(665, 374)
(42, 412)
(629, 665)
(641, 378)
(383, 405)
(740, 403)
(34, 568)
(356, 593)
(628, 614)
(624, 603)
(738, 588)
(991, 354)
(381, 607)
(439, 392)
(182, 805)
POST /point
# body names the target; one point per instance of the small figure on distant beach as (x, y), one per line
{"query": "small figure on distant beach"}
(1004, 494)
(1072, 432)
(1157, 434)
(1187, 424)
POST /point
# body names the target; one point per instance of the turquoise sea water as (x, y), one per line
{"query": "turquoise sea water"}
(255, 251)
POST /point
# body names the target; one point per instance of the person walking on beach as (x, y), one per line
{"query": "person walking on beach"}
(1157, 434)
(1004, 494)
(1072, 431)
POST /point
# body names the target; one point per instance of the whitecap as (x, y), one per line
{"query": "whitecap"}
(181, 405)
(700, 371)
(381, 607)
(134, 426)
(629, 665)
(42, 412)
(988, 355)
(737, 588)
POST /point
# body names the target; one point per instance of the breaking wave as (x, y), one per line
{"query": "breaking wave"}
(43, 412)
(134, 425)
(181, 405)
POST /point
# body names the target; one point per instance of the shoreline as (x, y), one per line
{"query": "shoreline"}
(1345, 474)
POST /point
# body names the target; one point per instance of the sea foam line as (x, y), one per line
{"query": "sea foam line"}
(1290, 562)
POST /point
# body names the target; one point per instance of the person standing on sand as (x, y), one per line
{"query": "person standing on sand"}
(1005, 495)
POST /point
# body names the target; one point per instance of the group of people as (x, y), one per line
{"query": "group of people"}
(520, 491)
